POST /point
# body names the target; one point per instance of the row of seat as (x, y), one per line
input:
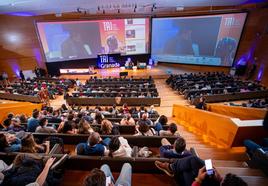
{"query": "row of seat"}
(111, 101)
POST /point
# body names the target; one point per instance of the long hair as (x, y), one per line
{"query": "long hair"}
(28, 144)
(106, 127)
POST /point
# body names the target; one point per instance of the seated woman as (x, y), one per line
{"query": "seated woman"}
(84, 127)
(162, 120)
(172, 131)
(119, 147)
(127, 120)
(144, 130)
(97, 118)
(9, 143)
(29, 145)
(107, 128)
(66, 128)
(42, 128)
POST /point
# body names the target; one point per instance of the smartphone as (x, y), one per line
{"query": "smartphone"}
(209, 167)
(108, 180)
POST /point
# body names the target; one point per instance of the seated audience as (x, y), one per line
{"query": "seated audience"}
(15, 125)
(143, 129)
(125, 108)
(94, 147)
(33, 122)
(28, 169)
(145, 119)
(201, 104)
(142, 111)
(42, 128)
(98, 118)
(9, 143)
(127, 120)
(176, 151)
(66, 128)
(119, 147)
(28, 145)
(84, 127)
(160, 122)
(114, 110)
(41, 179)
(229, 179)
(107, 128)
(152, 110)
(98, 177)
(172, 131)
(7, 121)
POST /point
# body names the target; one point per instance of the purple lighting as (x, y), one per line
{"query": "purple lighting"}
(22, 14)
(38, 56)
(260, 73)
(15, 67)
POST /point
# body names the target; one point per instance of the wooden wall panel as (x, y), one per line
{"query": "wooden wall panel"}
(20, 48)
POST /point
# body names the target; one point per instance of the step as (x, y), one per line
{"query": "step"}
(240, 171)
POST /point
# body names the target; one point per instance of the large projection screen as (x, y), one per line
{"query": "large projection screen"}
(71, 40)
(200, 40)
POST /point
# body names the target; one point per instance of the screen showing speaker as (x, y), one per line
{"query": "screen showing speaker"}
(202, 40)
(71, 40)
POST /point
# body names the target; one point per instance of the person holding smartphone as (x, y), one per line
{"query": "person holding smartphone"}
(207, 177)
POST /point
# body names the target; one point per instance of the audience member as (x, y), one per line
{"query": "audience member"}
(176, 151)
(98, 177)
(143, 129)
(160, 122)
(107, 128)
(7, 121)
(66, 128)
(33, 122)
(229, 179)
(127, 120)
(94, 147)
(201, 104)
(84, 127)
(9, 143)
(15, 125)
(42, 128)
(145, 120)
(119, 147)
(28, 145)
(172, 131)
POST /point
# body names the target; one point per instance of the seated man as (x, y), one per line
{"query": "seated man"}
(103, 176)
(176, 151)
(94, 147)
(191, 171)
(172, 131)
(15, 125)
(144, 119)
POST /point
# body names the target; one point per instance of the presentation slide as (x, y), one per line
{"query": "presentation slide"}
(71, 40)
(201, 40)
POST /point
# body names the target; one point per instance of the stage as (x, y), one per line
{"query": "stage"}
(161, 71)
